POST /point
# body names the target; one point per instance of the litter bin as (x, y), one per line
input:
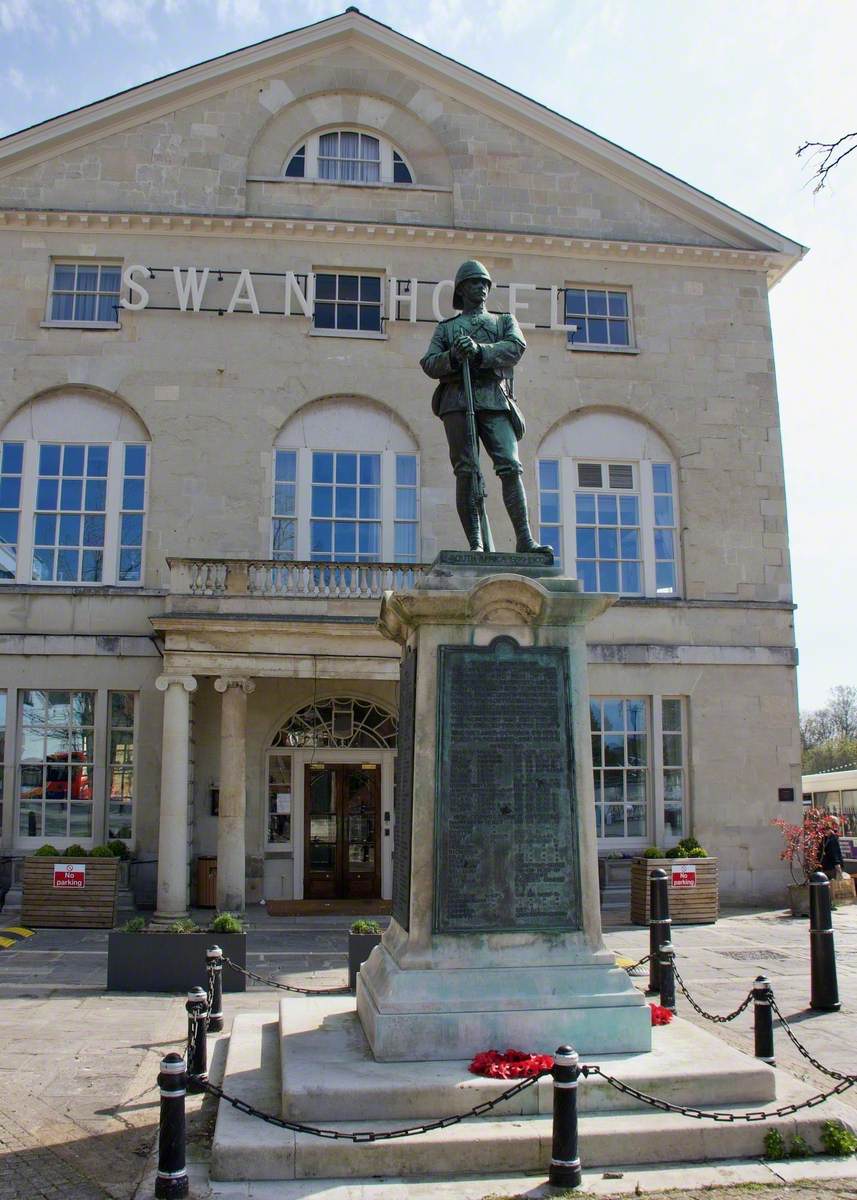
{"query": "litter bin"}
(206, 881)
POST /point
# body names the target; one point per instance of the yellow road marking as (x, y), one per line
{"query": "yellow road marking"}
(19, 929)
(624, 962)
(7, 942)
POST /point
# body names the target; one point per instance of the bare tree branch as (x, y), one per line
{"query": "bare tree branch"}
(830, 154)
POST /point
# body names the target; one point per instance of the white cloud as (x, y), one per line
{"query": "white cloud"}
(239, 12)
(19, 14)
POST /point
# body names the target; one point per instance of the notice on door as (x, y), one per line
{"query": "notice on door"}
(684, 876)
(69, 875)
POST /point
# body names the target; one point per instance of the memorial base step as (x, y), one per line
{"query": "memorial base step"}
(614, 1129)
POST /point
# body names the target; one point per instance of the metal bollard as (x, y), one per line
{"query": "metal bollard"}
(565, 1160)
(667, 997)
(214, 967)
(763, 1020)
(659, 925)
(171, 1181)
(197, 1068)
(824, 992)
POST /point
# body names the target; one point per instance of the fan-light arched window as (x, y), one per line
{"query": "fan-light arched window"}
(341, 723)
(348, 156)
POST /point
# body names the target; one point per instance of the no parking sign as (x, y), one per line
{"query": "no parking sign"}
(684, 876)
(69, 875)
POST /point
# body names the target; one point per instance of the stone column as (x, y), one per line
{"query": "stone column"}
(172, 834)
(231, 868)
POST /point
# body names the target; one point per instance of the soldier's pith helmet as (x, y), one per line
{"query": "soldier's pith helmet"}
(468, 270)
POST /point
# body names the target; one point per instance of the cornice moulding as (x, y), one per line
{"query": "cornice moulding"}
(197, 83)
(363, 232)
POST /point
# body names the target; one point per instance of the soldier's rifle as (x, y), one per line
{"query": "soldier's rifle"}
(479, 489)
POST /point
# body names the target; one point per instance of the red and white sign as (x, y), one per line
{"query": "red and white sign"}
(684, 876)
(69, 875)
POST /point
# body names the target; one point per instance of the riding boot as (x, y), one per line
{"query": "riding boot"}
(468, 510)
(515, 499)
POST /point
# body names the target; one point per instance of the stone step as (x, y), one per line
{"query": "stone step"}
(247, 1148)
(328, 1073)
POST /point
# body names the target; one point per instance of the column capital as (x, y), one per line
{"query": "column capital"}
(187, 681)
(223, 682)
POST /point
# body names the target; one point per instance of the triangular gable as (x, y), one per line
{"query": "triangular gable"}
(149, 101)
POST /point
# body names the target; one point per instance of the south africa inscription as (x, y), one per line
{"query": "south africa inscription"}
(507, 855)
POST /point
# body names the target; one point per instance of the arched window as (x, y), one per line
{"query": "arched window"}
(73, 489)
(608, 504)
(346, 485)
(341, 723)
(347, 156)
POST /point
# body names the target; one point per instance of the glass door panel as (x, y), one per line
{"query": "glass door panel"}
(360, 803)
(322, 838)
(342, 822)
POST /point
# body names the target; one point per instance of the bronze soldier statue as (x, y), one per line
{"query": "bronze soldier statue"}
(484, 346)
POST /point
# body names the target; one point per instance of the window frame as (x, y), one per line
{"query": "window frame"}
(112, 514)
(310, 144)
(27, 841)
(360, 273)
(303, 499)
(656, 832)
(644, 491)
(601, 347)
(108, 763)
(81, 261)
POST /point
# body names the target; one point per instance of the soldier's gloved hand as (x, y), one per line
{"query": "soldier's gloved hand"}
(465, 347)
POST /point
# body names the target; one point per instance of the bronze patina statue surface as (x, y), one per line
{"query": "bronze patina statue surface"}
(473, 355)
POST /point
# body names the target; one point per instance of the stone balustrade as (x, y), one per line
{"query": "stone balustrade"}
(221, 577)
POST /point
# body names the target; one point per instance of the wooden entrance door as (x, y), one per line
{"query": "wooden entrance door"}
(342, 817)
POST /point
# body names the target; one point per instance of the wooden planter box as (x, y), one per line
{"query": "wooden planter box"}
(85, 899)
(360, 946)
(695, 905)
(171, 962)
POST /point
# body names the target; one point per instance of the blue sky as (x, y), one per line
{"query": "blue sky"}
(718, 92)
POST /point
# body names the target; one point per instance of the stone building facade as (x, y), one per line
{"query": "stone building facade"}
(218, 450)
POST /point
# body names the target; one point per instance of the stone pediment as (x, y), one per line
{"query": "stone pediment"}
(190, 141)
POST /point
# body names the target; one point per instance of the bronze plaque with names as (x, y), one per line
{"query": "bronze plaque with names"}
(404, 798)
(506, 836)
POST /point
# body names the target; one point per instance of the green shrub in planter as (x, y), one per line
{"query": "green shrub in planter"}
(688, 847)
(46, 851)
(185, 925)
(75, 851)
(653, 852)
(227, 922)
(119, 849)
(362, 927)
(101, 852)
(134, 925)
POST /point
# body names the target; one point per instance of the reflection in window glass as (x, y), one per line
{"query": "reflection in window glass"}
(608, 545)
(132, 514)
(673, 766)
(56, 760)
(279, 798)
(69, 519)
(665, 530)
(285, 504)
(345, 507)
(406, 525)
(348, 303)
(85, 292)
(620, 761)
(11, 470)
(602, 317)
(120, 765)
(550, 507)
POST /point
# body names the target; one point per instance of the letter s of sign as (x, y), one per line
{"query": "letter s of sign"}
(133, 286)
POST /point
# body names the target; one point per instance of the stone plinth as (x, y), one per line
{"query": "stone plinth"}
(496, 933)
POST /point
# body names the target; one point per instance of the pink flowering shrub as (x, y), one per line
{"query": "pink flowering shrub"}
(803, 842)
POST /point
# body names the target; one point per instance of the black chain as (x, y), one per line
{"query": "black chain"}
(718, 1020)
(803, 1050)
(787, 1110)
(368, 1135)
(286, 987)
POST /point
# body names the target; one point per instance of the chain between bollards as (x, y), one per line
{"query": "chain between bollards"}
(824, 990)
(659, 925)
(565, 1169)
(171, 1182)
(214, 969)
(197, 1048)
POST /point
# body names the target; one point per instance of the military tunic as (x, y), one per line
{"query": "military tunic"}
(501, 346)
